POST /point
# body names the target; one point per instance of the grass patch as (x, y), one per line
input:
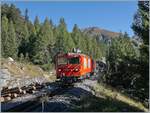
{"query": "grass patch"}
(107, 99)
(115, 95)
(96, 104)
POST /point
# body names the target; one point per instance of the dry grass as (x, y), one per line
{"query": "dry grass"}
(107, 99)
(12, 67)
(19, 69)
(113, 94)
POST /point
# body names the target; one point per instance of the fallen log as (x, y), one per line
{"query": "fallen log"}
(13, 90)
(4, 88)
(28, 88)
(14, 95)
(2, 99)
(7, 98)
(30, 91)
(24, 92)
(6, 95)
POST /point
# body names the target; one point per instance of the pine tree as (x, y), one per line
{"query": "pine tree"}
(31, 28)
(11, 46)
(64, 41)
(89, 46)
(51, 24)
(141, 21)
(43, 44)
(37, 24)
(76, 35)
(140, 27)
(31, 41)
(4, 35)
(13, 13)
(126, 35)
(68, 42)
(26, 15)
(46, 33)
(94, 48)
(23, 46)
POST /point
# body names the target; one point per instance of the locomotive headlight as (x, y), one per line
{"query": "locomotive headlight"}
(59, 70)
(76, 69)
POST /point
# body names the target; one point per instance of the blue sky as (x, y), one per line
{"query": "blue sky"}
(113, 15)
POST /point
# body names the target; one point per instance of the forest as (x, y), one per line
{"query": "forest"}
(38, 43)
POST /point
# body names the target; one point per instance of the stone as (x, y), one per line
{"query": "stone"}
(10, 59)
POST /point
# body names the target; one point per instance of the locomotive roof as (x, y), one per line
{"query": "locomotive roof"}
(72, 54)
(76, 54)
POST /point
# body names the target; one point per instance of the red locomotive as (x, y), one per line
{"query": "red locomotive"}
(73, 66)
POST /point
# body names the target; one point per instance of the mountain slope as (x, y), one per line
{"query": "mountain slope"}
(101, 34)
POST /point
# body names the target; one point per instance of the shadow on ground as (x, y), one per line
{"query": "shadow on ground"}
(76, 99)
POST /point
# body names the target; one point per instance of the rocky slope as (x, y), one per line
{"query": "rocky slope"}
(16, 74)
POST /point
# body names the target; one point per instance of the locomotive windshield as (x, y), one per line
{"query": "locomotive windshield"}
(63, 60)
(74, 60)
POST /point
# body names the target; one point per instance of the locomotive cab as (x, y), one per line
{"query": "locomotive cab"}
(73, 65)
(67, 66)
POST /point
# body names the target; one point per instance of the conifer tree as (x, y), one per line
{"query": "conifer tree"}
(69, 43)
(141, 21)
(26, 15)
(43, 42)
(140, 27)
(63, 38)
(23, 46)
(11, 46)
(76, 35)
(4, 35)
(37, 24)
(126, 35)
